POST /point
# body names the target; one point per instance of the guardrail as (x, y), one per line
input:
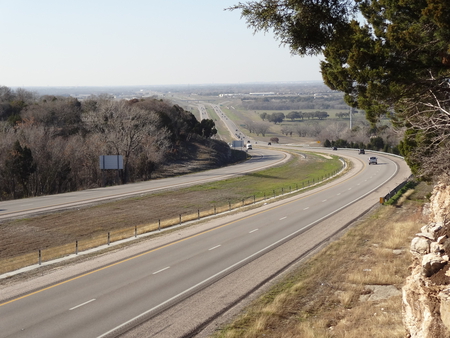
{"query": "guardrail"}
(104, 240)
(393, 192)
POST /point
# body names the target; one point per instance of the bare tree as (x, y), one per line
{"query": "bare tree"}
(123, 127)
(313, 128)
(286, 130)
(25, 95)
(261, 128)
(6, 94)
(301, 129)
(250, 125)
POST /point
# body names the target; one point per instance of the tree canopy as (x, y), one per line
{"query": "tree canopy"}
(389, 57)
(51, 144)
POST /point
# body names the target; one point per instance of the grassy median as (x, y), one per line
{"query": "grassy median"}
(90, 225)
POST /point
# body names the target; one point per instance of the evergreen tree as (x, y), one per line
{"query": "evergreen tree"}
(395, 62)
(19, 165)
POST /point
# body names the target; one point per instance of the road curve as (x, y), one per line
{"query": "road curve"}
(178, 283)
(261, 159)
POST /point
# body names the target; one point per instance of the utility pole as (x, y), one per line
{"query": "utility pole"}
(351, 124)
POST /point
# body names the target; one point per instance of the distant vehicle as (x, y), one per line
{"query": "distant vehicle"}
(248, 141)
(269, 144)
(373, 160)
(334, 148)
(249, 146)
(362, 151)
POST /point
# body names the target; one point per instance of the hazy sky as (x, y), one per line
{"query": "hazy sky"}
(138, 42)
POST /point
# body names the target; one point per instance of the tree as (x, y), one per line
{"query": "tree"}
(376, 143)
(250, 125)
(301, 129)
(275, 117)
(6, 94)
(261, 128)
(263, 116)
(395, 62)
(123, 127)
(274, 139)
(206, 128)
(293, 115)
(321, 114)
(286, 130)
(19, 165)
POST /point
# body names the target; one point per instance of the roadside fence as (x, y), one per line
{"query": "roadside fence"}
(74, 248)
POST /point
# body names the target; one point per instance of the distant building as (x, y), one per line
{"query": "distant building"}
(262, 94)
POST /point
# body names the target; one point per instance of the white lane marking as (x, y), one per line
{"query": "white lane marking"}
(215, 247)
(338, 194)
(324, 201)
(282, 218)
(349, 188)
(161, 270)
(76, 307)
(274, 244)
(253, 231)
(306, 208)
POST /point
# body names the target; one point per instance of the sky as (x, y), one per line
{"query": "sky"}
(139, 42)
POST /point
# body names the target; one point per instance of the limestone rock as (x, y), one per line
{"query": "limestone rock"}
(420, 315)
(440, 203)
(426, 306)
(435, 247)
(444, 309)
(442, 239)
(420, 245)
(432, 263)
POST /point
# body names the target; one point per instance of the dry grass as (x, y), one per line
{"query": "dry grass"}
(322, 297)
(56, 234)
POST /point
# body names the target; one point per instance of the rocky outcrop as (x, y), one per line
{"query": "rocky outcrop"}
(426, 294)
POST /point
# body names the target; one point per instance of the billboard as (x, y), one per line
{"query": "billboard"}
(237, 144)
(111, 162)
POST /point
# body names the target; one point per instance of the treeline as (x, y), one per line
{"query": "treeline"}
(51, 144)
(293, 103)
(293, 115)
(375, 143)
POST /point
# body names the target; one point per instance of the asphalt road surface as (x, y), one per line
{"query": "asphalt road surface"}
(176, 288)
(261, 159)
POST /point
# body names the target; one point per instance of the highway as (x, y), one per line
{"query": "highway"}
(263, 158)
(234, 130)
(113, 298)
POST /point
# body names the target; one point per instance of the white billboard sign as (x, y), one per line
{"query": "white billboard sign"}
(237, 144)
(111, 162)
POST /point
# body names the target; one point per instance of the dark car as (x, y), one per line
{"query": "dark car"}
(334, 148)
(361, 151)
(269, 144)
